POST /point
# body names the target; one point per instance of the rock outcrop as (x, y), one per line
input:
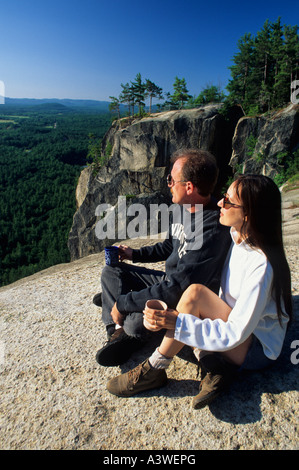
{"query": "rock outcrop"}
(270, 138)
(140, 161)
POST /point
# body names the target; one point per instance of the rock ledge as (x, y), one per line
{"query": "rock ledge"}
(53, 393)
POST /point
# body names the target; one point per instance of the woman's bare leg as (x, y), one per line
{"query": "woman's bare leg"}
(237, 355)
(201, 302)
(170, 346)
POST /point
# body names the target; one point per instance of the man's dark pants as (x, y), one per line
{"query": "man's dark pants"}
(123, 279)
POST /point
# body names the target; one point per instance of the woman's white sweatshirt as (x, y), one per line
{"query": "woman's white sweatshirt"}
(246, 286)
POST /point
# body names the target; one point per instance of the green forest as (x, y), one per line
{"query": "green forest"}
(42, 152)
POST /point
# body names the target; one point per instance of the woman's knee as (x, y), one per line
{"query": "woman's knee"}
(192, 292)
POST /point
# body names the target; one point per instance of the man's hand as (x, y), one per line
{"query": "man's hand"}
(125, 252)
(117, 317)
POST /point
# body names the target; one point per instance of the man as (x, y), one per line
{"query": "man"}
(126, 288)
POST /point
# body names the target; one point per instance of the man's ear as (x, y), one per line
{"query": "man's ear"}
(190, 187)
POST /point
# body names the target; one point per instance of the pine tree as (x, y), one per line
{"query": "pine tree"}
(288, 66)
(210, 94)
(180, 95)
(280, 89)
(152, 91)
(127, 97)
(115, 105)
(263, 58)
(138, 90)
(239, 86)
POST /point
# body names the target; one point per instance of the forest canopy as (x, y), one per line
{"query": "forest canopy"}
(42, 152)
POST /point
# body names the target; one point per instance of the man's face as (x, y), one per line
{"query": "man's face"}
(178, 188)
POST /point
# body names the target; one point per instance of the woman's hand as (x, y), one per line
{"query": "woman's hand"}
(156, 320)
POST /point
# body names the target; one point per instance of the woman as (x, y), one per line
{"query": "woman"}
(243, 327)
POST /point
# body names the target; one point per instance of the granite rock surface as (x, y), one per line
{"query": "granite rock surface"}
(53, 393)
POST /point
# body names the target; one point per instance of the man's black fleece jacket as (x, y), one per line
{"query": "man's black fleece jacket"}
(183, 268)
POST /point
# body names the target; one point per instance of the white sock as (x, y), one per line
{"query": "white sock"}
(117, 326)
(158, 361)
(200, 353)
(196, 353)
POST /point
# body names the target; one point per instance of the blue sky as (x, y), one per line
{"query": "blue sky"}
(86, 49)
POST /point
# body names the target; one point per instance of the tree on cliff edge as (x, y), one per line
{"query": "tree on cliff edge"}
(180, 95)
(127, 97)
(138, 90)
(265, 67)
(115, 105)
(152, 91)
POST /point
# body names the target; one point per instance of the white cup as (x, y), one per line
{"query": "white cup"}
(154, 304)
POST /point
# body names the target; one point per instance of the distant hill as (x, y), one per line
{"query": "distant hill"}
(90, 104)
(80, 105)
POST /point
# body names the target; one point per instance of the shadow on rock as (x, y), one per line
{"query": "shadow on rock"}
(242, 402)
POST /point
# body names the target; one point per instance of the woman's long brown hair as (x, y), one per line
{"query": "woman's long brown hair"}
(261, 201)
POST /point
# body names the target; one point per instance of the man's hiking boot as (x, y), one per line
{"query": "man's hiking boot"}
(137, 380)
(110, 330)
(118, 349)
(217, 375)
(97, 299)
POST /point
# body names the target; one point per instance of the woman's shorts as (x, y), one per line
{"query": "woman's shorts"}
(256, 358)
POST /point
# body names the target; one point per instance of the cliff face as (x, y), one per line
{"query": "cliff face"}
(140, 160)
(270, 137)
(139, 163)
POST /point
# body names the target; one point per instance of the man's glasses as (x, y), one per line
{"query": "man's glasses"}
(227, 203)
(172, 182)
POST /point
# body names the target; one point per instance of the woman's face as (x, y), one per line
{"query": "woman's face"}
(231, 213)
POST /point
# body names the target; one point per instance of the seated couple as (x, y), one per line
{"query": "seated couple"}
(242, 326)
